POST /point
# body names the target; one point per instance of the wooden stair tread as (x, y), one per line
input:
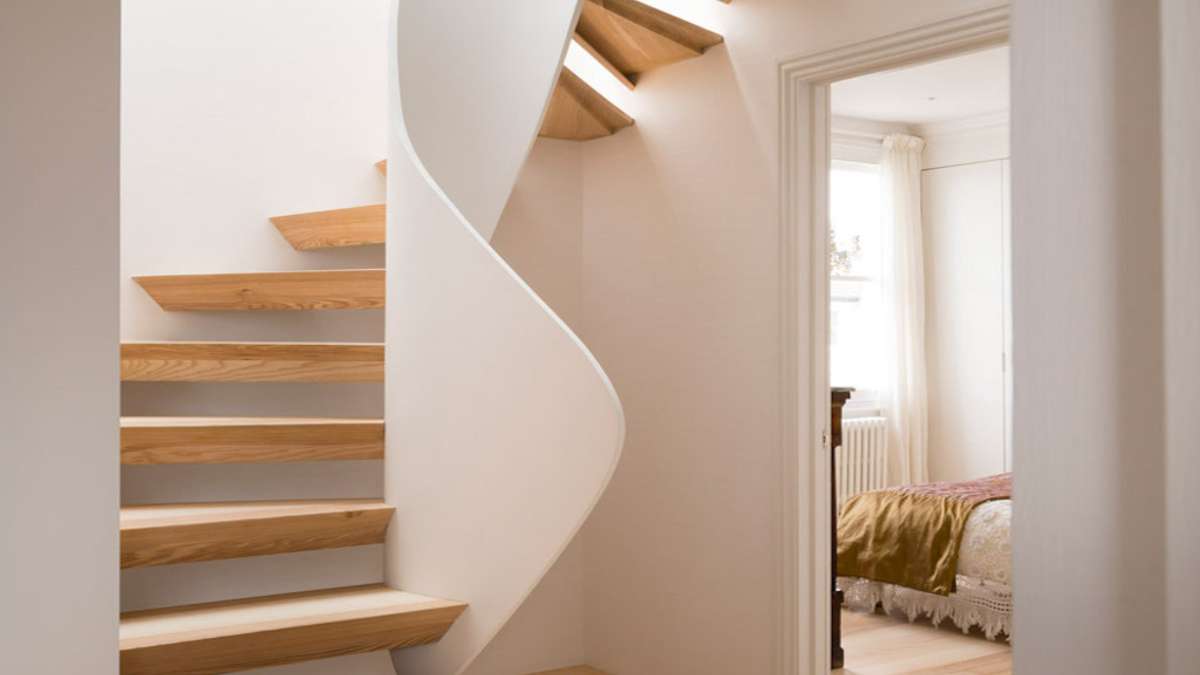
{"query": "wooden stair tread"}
(162, 534)
(302, 290)
(220, 637)
(251, 362)
(144, 516)
(336, 228)
(158, 422)
(577, 112)
(229, 440)
(636, 37)
(573, 670)
(603, 61)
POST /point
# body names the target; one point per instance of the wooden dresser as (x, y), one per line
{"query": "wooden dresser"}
(838, 396)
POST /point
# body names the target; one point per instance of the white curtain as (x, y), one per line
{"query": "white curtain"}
(904, 397)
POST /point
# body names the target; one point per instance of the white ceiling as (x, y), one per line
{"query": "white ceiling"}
(956, 88)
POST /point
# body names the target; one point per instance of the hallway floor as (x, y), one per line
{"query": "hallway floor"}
(881, 645)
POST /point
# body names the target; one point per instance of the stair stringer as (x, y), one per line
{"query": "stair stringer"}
(503, 430)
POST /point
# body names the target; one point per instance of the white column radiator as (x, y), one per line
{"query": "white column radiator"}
(861, 459)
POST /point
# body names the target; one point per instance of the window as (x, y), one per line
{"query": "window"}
(856, 312)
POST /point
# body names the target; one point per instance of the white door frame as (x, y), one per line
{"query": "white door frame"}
(804, 88)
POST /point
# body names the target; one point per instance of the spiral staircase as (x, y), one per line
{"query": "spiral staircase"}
(464, 328)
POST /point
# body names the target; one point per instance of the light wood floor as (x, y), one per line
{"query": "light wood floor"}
(878, 645)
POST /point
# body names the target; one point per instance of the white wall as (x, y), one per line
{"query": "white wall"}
(964, 209)
(1180, 21)
(548, 631)
(671, 555)
(539, 235)
(234, 111)
(59, 74)
(1088, 288)
(681, 305)
(965, 203)
(977, 139)
(540, 232)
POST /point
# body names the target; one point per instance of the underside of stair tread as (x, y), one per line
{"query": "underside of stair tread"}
(635, 37)
(161, 534)
(337, 228)
(578, 113)
(229, 440)
(603, 60)
(251, 362)
(302, 290)
(148, 516)
(233, 635)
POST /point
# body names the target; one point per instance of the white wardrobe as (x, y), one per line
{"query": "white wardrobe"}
(965, 198)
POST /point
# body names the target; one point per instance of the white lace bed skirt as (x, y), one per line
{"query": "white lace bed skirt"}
(975, 602)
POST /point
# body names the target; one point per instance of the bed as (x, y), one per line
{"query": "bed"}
(975, 582)
(980, 594)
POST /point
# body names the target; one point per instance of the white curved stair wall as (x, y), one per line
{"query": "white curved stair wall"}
(502, 429)
(472, 77)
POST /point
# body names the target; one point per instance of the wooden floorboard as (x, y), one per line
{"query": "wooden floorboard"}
(876, 644)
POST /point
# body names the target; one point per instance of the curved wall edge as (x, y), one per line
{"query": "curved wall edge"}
(503, 429)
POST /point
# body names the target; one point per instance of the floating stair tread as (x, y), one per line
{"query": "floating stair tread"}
(230, 440)
(303, 290)
(636, 37)
(573, 670)
(579, 113)
(603, 61)
(221, 637)
(337, 228)
(162, 534)
(251, 362)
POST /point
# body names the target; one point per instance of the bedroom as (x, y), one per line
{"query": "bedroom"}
(919, 344)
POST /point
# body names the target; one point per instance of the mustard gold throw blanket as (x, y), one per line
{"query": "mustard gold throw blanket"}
(910, 535)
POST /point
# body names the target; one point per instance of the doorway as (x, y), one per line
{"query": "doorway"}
(918, 349)
(810, 625)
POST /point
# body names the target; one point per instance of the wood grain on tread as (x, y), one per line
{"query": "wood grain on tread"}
(251, 362)
(356, 226)
(163, 534)
(229, 440)
(636, 37)
(233, 635)
(578, 113)
(305, 290)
